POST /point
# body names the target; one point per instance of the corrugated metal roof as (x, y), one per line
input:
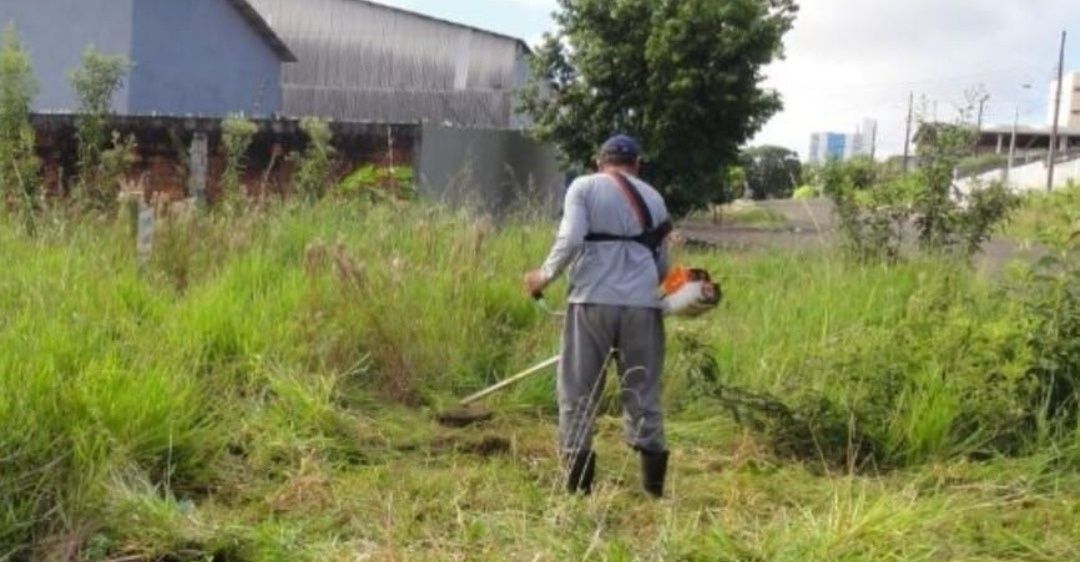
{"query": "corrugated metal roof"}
(521, 42)
(263, 29)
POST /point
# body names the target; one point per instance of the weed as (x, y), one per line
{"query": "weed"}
(316, 163)
(237, 134)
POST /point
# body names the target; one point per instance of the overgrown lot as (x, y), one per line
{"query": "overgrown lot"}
(264, 389)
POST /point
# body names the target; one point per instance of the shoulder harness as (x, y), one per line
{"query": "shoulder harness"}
(652, 235)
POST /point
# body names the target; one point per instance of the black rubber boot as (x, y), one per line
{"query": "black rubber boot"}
(582, 472)
(654, 472)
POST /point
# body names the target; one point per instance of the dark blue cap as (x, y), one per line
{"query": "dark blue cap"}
(621, 145)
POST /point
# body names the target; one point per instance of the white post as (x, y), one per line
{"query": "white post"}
(144, 232)
(197, 173)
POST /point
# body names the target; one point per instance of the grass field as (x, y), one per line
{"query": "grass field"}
(265, 389)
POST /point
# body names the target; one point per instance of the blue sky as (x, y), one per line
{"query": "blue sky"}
(854, 59)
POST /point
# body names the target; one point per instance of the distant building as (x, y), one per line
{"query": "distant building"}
(364, 61)
(825, 147)
(197, 57)
(1070, 102)
(1033, 142)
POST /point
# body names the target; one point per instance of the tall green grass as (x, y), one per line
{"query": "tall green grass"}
(924, 359)
(105, 369)
(258, 364)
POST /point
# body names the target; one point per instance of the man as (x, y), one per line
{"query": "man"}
(612, 240)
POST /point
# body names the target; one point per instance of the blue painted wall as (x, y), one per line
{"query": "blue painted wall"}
(200, 57)
(55, 33)
(190, 56)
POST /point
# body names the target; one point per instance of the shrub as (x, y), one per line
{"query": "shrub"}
(377, 183)
(237, 134)
(806, 192)
(316, 164)
(875, 216)
(1052, 297)
(1048, 218)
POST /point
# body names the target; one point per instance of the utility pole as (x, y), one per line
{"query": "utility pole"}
(979, 123)
(1012, 141)
(873, 143)
(1057, 115)
(1012, 147)
(982, 107)
(907, 135)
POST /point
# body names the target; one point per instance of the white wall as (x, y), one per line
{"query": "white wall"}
(1027, 178)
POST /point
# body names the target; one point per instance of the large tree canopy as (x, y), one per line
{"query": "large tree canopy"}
(772, 172)
(682, 75)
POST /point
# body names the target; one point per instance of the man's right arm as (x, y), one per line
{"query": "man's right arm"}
(572, 232)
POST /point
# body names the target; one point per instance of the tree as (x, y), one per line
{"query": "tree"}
(19, 166)
(772, 172)
(682, 75)
(95, 83)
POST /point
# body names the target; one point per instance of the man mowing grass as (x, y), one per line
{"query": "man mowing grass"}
(612, 240)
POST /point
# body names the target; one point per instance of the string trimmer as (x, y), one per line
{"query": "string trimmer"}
(687, 293)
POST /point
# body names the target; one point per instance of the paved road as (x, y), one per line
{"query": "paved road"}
(812, 227)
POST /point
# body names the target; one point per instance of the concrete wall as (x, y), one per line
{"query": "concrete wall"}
(493, 170)
(56, 32)
(1027, 178)
(201, 57)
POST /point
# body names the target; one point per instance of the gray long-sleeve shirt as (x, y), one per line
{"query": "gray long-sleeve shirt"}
(618, 273)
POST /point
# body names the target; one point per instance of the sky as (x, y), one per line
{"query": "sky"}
(847, 60)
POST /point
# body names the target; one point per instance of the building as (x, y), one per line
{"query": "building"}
(1070, 102)
(864, 141)
(399, 88)
(1033, 141)
(197, 57)
(825, 147)
(359, 60)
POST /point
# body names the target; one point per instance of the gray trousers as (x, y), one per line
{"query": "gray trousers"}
(590, 335)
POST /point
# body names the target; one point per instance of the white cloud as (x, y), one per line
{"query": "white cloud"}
(850, 59)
